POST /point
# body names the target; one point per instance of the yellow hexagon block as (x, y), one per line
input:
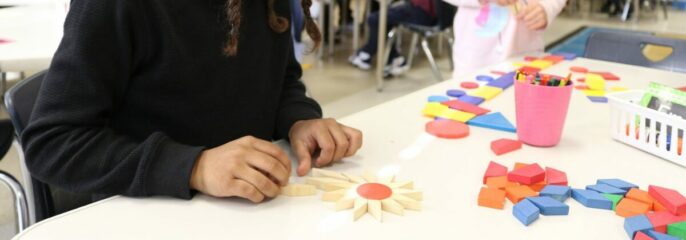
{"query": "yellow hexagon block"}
(486, 92)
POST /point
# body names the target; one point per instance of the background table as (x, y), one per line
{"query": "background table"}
(34, 32)
(448, 171)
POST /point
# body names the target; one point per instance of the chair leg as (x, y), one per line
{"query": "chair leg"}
(392, 36)
(448, 36)
(625, 12)
(20, 202)
(432, 61)
(413, 48)
(664, 7)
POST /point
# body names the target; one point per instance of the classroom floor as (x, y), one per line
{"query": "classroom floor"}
(343, 89)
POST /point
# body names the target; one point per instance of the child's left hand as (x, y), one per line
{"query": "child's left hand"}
(534, 16)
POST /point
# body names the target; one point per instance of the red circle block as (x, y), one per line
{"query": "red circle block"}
(579, 69)
(469, 85)
(447, 129)
(374, 191)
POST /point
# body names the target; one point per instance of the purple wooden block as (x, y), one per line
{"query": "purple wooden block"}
(597, 99)
(455, 93)
(471, 99)
(484, 78)
(504, 81)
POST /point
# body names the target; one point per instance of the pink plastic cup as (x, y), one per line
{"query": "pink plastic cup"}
(541, 113)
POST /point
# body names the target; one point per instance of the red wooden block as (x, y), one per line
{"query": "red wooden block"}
(642, 236)
(529, 70)
(529, 58)
(504, 145)
(465, 107)
(683, 89)
(578, 69)
(469, 85)
(494, 170)
(583, 80)
(661, 219)
(528, 175)
(555, 177)
(671, 199)
(554, 58)
(581, 87)
(447, 129)
(607, 76)
(498, 72)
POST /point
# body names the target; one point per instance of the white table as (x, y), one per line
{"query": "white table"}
(448, 171)
(35, 32)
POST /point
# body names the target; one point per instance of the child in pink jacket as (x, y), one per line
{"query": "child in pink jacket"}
(522, 33)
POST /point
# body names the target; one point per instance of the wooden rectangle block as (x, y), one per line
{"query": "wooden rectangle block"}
(486, 92)
(499, 182)
(526, 212)
(492, 198)
(640, 195)
(629, 208)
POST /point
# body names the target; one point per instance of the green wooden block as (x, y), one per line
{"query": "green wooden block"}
(677, 229)
(614, 198)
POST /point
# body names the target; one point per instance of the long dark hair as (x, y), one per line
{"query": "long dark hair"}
(277, 23)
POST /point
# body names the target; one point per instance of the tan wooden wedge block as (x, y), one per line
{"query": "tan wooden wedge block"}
(345, 203)
(334, 195)
(359, 208)
(391, 206)
(317, 172)
(408, 203)
(374, 208)
(298, 190)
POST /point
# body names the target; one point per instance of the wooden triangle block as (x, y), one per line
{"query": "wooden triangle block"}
(504, 145)
(671, 199)
(466, 107)
(607, 76)
(528, 175)
(494, 121)
(494, 170)
(555, 177)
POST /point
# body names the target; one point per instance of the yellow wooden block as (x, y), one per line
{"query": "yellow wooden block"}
(518, 64)
(456, 115)
(486, 92)
(594, 93)
(433, 109)
(595, 81)
(540, 63)
(618, 89)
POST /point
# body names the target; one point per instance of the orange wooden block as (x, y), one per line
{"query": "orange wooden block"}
(499, 182)
(538, 186)
(641, 196)
(492, 198)
(629, 207)
(520, 165)
(517, 193)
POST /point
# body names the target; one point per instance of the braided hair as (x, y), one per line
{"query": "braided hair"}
(277, 23)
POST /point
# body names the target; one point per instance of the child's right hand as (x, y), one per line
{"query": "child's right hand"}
(248, 167)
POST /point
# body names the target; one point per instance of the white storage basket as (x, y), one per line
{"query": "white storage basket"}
(626, 114)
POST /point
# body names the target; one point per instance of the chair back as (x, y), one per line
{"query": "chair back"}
(445, 13)
(633, 48)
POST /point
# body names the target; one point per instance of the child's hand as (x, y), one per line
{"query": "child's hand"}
(505, 2)
(533, 15)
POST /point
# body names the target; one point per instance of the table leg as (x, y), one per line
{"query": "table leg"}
(380, 61)
(637, 10)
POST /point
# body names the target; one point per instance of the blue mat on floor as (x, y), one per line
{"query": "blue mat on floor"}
(576, 41)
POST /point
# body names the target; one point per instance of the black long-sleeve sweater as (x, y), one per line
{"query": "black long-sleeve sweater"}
(138, 88)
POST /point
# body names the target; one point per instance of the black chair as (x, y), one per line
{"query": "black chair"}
(444, 21)
(628, 48)
(20, 201)
(44, 201)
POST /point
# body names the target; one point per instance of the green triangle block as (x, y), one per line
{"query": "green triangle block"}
(493, 121)
(677, 229)
(614, 198)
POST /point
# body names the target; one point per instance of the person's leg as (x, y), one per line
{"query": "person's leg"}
(395, 15)
(297, 20)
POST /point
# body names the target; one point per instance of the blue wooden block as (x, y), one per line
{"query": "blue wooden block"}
(660, 236)
(526, 212)
(437, 98)
(604, 188)
(635, 224)
(494, 120)
(503, 82)
(591, 199)
(471, 99)
(560, 193)
(550, 206)
(455, 93)
(484, 78)
(597, 99)
(618, 183)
